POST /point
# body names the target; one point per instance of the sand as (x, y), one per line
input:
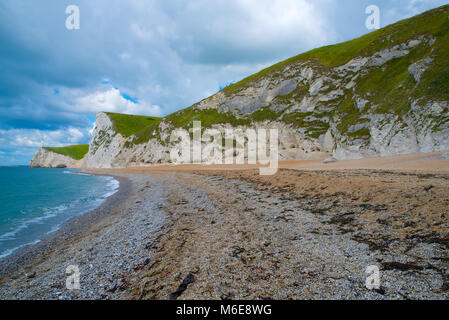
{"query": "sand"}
(308, 232)
(422, 162)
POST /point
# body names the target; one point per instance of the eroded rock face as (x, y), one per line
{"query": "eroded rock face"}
(48, 159)
(389, 135)
(418, 68)
(423, 128)
(108, 149)
(105, 143)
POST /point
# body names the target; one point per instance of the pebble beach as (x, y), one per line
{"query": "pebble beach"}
(232, 234)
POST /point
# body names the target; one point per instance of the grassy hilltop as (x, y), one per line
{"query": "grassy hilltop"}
(431, 23)
(127, 125)
(76, 152)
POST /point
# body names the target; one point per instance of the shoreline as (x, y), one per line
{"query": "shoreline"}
(68, 229)
(105, 245)
(306, 233)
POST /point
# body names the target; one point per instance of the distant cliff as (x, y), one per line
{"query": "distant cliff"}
(385, 93)
(65, 157)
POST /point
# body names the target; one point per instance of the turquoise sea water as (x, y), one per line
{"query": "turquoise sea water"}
(36, 202)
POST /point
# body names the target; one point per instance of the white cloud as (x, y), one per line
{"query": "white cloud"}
(231, 31)
(32, 138)
(113, 101)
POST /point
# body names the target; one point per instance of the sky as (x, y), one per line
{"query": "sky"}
(150, 57)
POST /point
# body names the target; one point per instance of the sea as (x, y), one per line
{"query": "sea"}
(36, 202)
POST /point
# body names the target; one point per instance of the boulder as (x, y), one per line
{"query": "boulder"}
(330, 160)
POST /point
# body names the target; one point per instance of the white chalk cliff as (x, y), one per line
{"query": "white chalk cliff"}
(45, 158)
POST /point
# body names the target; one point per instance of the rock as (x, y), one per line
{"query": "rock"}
(380, 291)
(316, 86)
(328, 142)
(45, 158)
(113, 288)
(183, 287)
(105, 143)
(124, 284)
(382, 57)
(330, 160)
(445, 155)
(418, 68)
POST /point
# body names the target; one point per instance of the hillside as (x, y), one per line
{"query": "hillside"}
(76, 152)
(384, 93)
(128, 125)
(62, 157)
(389, 69)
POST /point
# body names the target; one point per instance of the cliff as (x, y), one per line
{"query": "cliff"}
(47, 158)
(109, 148)
(385, 93)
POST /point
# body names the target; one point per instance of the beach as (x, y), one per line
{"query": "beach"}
(103, 244)
(225, 232)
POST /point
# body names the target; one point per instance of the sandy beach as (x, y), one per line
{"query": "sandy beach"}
(225, 232)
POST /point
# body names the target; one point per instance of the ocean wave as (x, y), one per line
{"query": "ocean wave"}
(114, 185)
(77, 172)
(52, 218)
(12, 250)
(48, 213)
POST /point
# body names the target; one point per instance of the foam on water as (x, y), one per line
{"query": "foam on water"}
(37, 202)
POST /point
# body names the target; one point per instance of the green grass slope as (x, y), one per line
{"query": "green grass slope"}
(431, 23)
(76, 152)
(127, 125)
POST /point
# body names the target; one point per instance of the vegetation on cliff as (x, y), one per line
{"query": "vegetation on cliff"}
(431, 23)
(76, 152)
(127, 125)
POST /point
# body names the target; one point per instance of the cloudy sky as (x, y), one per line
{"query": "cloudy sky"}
(149, 57)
